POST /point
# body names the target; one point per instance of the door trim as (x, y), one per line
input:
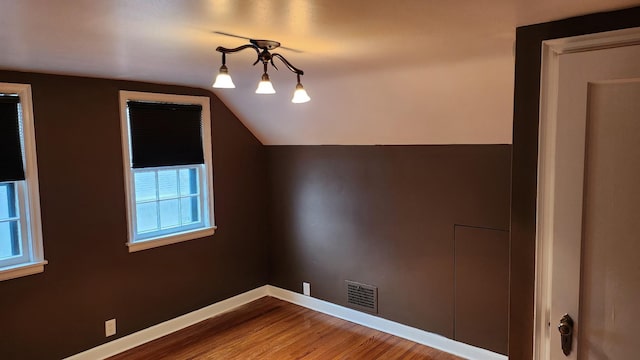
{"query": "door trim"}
(549, 81)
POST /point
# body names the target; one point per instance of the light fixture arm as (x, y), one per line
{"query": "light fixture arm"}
(288, 64)
(225, 51)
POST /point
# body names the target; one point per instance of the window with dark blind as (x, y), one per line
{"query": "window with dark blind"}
(166, 143)
(21, 251)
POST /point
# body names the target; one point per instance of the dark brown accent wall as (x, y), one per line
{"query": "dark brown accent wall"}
(481, 287)
(525, 160)
(384, 215)
(91, 277)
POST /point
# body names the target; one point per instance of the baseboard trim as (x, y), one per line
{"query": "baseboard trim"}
(157, 331)
(390, 327)
(416, 335)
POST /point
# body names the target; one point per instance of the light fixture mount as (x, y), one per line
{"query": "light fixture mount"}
(265, 44)
(262, 48)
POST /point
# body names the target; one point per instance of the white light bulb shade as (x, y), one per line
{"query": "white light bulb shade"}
(265, 86)
(300, 95)
(223, 80)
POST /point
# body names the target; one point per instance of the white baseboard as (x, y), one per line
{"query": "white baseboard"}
(157, 331)
(390, 327)
(416, 335)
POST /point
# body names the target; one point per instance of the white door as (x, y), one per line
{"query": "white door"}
(589, 197)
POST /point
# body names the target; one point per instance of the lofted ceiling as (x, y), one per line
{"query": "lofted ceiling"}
(378, 72)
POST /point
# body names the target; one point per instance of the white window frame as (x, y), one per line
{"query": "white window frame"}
(27, 192)
(206, 174)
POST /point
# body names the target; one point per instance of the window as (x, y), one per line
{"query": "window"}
(168, 173)
(21, 250)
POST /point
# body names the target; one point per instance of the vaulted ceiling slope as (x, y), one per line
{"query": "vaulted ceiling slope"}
(378, 71)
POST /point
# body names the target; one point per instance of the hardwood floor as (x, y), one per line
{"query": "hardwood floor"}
(269, 328)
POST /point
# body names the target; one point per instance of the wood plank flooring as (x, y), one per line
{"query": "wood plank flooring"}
(269, 328)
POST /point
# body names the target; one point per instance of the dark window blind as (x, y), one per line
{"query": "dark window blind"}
(165, 134)
(11, 168)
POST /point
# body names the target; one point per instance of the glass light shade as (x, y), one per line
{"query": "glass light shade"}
(223, 80)
(300, 95)
(265, 86)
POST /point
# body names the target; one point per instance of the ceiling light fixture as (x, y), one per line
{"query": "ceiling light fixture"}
(262, 47)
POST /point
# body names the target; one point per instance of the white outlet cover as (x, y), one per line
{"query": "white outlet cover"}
(306, 288)
(110, 327)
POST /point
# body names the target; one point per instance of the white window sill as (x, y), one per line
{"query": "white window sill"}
(16, 271)
(170, 239)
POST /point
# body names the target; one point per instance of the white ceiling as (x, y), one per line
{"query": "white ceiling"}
(378, 71)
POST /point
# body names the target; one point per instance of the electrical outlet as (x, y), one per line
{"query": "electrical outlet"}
(110, 327)
(306, 288)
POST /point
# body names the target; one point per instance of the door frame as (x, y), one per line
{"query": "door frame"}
(524, 166)
(552, 50)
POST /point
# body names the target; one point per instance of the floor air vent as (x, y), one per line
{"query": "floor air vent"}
(362, 297)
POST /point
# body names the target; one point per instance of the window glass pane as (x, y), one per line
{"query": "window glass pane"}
(168, 183)
(147, 217)
(4, 201)
(169, 213)
(145, 185)
(188, 181)
(190, 210)
(7, 201)
(9, 239)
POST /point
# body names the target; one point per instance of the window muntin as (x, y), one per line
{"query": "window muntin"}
(21, 251)
(173, 202)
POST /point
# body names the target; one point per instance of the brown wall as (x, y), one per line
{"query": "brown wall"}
(91, 276)
(481, 283)
(525, 161)
(385, 215)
